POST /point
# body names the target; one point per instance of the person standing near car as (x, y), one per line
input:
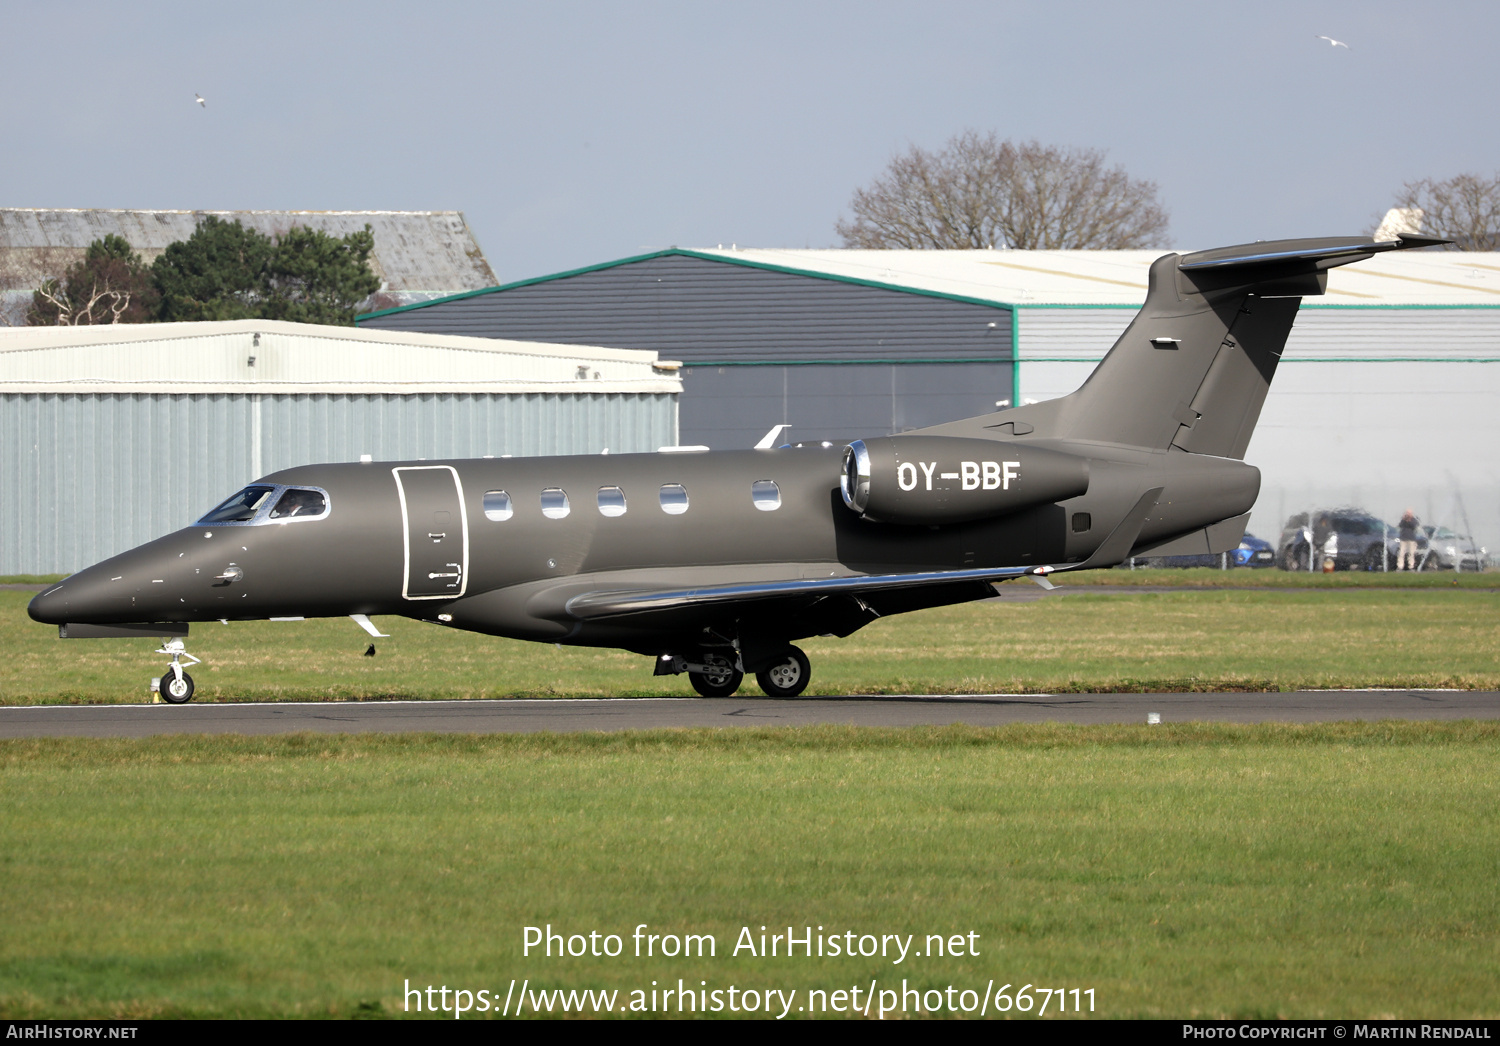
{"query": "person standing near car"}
(1322, 530)
(1406, 552)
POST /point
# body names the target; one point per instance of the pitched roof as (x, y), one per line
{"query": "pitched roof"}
(1077, 278)
(418, 254)
(1119, 277)
(276, 357)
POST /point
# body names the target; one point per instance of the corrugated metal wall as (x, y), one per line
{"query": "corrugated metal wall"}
(702, 311)
(1321, 330)
(1047, 336)
(83, 477)
(731, 408)
(1434, 332)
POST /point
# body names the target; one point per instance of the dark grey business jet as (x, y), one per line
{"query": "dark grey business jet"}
(715, 563)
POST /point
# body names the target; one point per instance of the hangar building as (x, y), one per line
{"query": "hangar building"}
(1387, 398)
(111, 436)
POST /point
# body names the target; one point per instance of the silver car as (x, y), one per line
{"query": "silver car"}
(1449, 551)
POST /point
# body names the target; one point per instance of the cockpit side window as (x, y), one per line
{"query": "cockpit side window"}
(242, 507)
(299, 503)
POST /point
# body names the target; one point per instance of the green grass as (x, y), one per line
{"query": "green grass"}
(1196, 640)
(1208, 577)
(1339, 870)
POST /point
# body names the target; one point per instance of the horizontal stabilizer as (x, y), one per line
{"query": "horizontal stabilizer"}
(1326, 253)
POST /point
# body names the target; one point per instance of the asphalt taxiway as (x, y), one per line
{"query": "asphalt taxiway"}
(568, 716)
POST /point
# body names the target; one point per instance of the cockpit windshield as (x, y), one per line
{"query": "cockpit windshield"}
(242, 507)
(266, 503)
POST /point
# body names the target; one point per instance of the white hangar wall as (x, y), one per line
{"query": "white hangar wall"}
(1383, 407)
(110, 438)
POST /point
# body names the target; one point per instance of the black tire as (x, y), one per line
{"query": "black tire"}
(788, 677)
(722, 679)
(172, 691)
(1375, 559)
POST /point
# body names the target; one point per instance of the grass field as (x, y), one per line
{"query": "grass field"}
(1278, 871)
(1340, 870)
(1195, 640)
(1207, 577)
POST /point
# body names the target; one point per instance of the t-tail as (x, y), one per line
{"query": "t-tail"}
(1193, 368)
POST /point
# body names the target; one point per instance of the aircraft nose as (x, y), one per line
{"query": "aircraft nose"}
(133, 586)
(83, 597)
(49, 607)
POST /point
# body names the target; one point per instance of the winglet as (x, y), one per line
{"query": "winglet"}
(1116, 548)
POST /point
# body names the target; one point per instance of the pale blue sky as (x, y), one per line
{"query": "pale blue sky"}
(573, 133)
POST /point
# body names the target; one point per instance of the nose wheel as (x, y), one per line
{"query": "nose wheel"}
(176, 686)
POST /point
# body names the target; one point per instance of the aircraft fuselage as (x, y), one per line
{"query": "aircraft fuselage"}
(499, 545)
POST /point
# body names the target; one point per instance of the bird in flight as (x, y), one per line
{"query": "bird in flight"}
(1331, 43)
(200, 100)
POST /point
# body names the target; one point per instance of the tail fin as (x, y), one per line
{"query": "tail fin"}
(1193, 368)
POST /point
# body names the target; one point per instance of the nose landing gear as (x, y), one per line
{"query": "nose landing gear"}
(175, 685)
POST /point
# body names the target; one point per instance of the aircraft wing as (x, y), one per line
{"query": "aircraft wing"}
(620, 603)
(634, 601)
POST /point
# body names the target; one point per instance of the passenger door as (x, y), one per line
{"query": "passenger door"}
(436, 531)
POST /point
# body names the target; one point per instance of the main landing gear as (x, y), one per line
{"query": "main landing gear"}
(716, 674)
(717, 677)
(175, 685)
(787, 678)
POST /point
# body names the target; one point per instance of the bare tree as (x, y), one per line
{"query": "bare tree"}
(980, 192)
(110, 284)
(1464, 209)
(96, 302)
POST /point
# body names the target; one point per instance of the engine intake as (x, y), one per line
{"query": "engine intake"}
(950, 479)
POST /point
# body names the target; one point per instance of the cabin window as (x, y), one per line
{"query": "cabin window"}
(674, 499)
(555, 503)
(242, 507)
(611, 501)
(297, 503)
(497, 506)
(766, 495)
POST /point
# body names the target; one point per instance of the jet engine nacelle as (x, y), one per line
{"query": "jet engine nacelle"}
(948, 479)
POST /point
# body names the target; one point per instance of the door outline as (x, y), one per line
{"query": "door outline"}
(463, 522)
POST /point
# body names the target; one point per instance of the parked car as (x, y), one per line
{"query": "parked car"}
(1253, 552)
(1450, 551)
(1362, 540)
